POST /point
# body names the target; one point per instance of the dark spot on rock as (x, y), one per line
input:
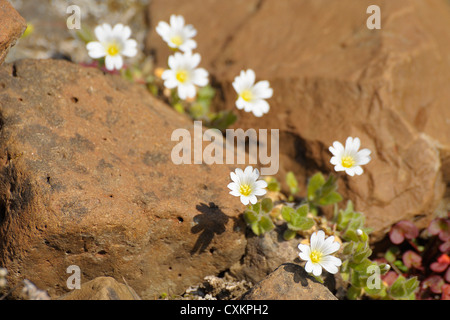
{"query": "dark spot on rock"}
(102, 164)
(74, 209)
(146, 200)
(109, 99)
(81, 144)
(14, 70)
(74, 99)
(83, 113)
(180, 219)
(154, 158)
(112, 117)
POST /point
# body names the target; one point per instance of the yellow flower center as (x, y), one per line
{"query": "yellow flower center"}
(348, 162)
(177, 40)
(112, 49)
(181, 76)
(315, 256)
(246, 95)
(245, 189)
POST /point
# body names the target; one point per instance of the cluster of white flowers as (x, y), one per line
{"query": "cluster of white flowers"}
(183, 72)
(185, 75)
(112, 44)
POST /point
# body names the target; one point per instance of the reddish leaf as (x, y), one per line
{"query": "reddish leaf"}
(401, 230)
(412, 259)
(447, 275)
(445, 292)
(435, 227)
(438, 267)
(444, 258)
(396, 235)
(445, 247)
(390, 277)
(434, 282)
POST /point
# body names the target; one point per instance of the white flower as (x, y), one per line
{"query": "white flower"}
(177, 35)
(317, 254)
(246, 185)
(113, 43)
(184, 74)
(349, 159)
(250, 95)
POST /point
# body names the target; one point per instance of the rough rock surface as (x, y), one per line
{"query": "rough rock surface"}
(102, 288)
(333, 78)
(11, 28)
(265, 253)
(86, 179)
(289, 282)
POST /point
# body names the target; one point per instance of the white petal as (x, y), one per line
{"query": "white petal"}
(304, 248)
(317, 269)
(337, 148)
(350, 171)
(241, 103)
(235, 178)
(356, 144)
(331, 263)
(262, 90)
(349, 144)
(188, 45)
(245, 200)
(253, 199)
(130, 49)
(249, 78)
(163, 29)
(358, 170)
(200, 77)
(260, 106)
(113, 62)
(103, 32)
(334, 160)
(309, 266)
(95, 49)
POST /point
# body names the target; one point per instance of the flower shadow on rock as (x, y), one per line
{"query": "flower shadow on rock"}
(210, 222)
(299, 273)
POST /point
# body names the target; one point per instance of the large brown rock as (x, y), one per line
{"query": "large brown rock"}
(86, 179)
(333, 78)
(102, 288)
(289, 282)
(11, 28)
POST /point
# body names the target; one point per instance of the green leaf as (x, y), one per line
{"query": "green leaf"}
(273, 185)
(302, 211)
(315, 183)
(266, 223)
(266, 205)
(398, 289)
(256, 228)
(292, 182)
(330, 198)
(354, 293)
(391, 254)
(250, 217)
(223, 120)
(289, 234)
(287, 213)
